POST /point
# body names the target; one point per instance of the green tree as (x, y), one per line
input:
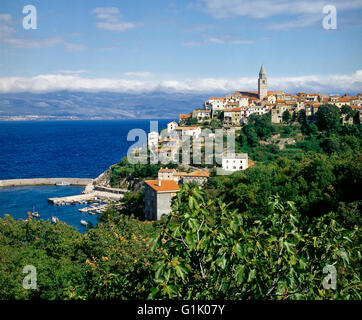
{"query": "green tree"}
(347, 111)
(302, 117)
(328, 118)
(286, 117)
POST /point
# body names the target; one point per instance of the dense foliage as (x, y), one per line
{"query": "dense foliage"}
(209, 251)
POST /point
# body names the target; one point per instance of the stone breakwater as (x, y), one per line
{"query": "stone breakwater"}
(45, 181)
(94, 196)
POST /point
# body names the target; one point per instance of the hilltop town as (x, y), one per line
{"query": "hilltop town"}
(230, 113)
(235, 109)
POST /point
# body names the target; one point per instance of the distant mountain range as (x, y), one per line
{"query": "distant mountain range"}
(97, 106)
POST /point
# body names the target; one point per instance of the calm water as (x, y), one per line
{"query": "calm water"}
(81, 149)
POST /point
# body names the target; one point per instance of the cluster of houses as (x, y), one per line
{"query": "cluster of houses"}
(159, 192)
(238, 107)
(235, 110)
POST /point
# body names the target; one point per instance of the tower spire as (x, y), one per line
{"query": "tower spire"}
(262, 71)
(262, 83)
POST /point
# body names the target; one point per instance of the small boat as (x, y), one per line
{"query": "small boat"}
(62, 183)
(83, 222)
(35, 213)
(55, 219)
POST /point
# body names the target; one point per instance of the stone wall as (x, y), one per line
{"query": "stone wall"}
(44, 181)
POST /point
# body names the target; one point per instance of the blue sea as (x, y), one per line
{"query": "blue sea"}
(69, 149)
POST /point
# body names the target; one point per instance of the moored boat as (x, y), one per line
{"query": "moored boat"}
(62, 183)
(35, 213)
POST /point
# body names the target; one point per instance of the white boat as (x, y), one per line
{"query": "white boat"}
(35, 213)
(83, 222)
(62, 183)
(55, 219)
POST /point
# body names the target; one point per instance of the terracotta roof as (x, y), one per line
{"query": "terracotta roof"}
(198, 173)
(184, 116)
(344, 99)
(217, 98)
(275, 92)
(251, 163)
(187, 128)
(166, 170)
(163, 185)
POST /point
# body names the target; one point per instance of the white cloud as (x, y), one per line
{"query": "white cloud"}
(5, 17)
(226, 39)
(56, 82)
(138, 74)
(111, 20)
(268, 8)
(72, 71)
(303, 12)
(74, 46)
(8, 37)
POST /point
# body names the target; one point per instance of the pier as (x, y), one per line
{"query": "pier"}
(87, 197)
(45, 181)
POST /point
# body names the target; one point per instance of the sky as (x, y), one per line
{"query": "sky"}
(180, 46)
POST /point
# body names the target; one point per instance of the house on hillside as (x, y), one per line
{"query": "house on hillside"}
(235, 162)
(201, 115)
(183, 117)
(157, 198)
(171, 126)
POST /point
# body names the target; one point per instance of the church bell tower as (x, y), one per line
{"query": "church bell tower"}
(262, 84)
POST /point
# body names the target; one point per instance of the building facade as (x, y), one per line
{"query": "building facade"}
(235, 162)
(157, 198)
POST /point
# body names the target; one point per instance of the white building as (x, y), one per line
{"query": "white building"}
(217, 103)
(172, 126)
(235, 162)
(153, 139)
(259, 110)
(189, 131)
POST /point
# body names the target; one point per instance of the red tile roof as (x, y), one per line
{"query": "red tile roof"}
(184, 116)
(186, 128)
(163, 185)
(166, 170)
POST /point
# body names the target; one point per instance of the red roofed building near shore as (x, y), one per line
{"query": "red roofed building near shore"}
(157, 198)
